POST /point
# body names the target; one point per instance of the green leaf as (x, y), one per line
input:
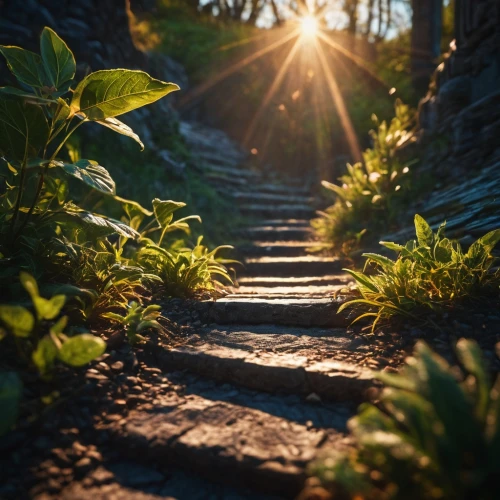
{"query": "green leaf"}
(95, 226)
(91, 173)
(29, 284)
(362, 279)
(49, 308)
(23, 129)
(26, 66)
(11, 391)
(383, 261)
(45, 355)
(30, 98)
(59, 61)
(17, 319)
(109, 93)
(392, 246)
(82, 349)
(164, 210)
(424, 231)
(121, 128)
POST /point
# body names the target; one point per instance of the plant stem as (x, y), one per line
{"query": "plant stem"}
(19, 195)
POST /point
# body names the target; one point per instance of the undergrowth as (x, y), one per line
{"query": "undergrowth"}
(74, 254)
(430, 274)
(370, 195)
(434, 434)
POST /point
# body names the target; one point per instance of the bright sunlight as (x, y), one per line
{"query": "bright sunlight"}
(309, 26)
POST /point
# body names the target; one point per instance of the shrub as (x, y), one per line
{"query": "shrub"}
(434, 434)
(371, 192)
(432, 273)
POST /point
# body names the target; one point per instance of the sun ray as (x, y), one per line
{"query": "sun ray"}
(246, 41)
(201, 89)
(338, 100)
(271, 92)
(353, 57)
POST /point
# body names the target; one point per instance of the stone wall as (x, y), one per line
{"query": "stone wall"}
(460, 117)
(98, 33)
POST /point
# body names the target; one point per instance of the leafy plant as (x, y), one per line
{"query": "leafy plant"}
(137, 320)
(28, 328)
(434, 434)
(185, 271)
(35, 124)
(369, 189)
(431, 273)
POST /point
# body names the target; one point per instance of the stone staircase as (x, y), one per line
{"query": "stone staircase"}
(271, 379)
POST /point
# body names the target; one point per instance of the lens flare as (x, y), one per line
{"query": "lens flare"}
(309, 26)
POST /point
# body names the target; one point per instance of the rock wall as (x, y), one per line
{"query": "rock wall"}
(460, 117)
(460, 127)
(98, 33)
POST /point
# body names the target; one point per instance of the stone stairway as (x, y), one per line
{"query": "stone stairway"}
(272, 378)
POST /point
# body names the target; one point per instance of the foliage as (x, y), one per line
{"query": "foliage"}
(137, 320)
(434, 434)
(27, 329)
(63, 228)
(371, 192)
(432, 273)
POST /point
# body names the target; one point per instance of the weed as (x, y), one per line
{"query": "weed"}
(434, 434)
(432, 273)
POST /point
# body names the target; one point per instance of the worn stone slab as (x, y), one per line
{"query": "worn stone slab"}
(286, 222)
(278, 233)
(296, 281)
(217, 438)
(291, 292)
(273, 359)
(282, 189)
(272, 210)
(279, 248)
(235, 171)
(293, 266)
(271, 198)
(298, 312)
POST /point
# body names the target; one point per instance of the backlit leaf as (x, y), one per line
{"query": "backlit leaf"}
(164, 210)
(423, 230)
(44, 355)
(82, 349)
(59, 62)
(91, 173)
(26, 66)
(109, 93)
(17, 319)
(121, 128)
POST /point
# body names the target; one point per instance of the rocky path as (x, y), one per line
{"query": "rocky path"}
(273, 377)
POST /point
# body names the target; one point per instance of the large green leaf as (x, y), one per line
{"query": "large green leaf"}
(109, 93)
(164, 210)
(17, 319)
(27, 96)
(59, 62)
(91, 173)
(82, 349)
(49, 308)
(121, 128)
(11, 391)
(23, 129)
(26, 66)
(95, 226)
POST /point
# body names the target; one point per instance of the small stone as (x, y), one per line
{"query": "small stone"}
(117, 366)
(83, 464)
(313, 398)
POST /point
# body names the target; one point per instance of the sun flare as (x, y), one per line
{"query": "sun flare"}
(309, 26)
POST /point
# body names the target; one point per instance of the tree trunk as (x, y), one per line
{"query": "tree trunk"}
(425, 40)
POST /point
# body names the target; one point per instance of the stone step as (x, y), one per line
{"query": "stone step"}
(221, 180)
(282, 189)
(307, 312)
(278, 248)
(225, 441)
(277, 233)
(271, 198)
(305, 281)
(292, 266)
(291, 292)
(276, 359)
(228, 171)
(283, 210)
(286, 222)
